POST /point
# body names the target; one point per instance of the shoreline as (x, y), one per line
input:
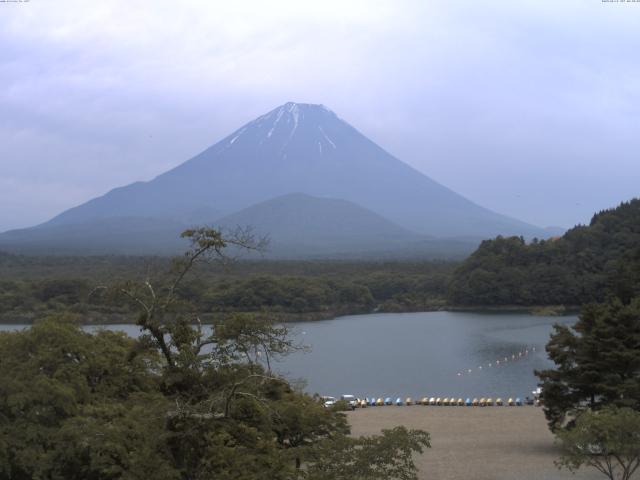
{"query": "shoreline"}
(287, 317)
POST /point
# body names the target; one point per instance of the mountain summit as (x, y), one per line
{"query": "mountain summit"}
(302, 148)
(267, 157)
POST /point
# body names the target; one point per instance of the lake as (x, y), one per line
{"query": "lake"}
(445, 354)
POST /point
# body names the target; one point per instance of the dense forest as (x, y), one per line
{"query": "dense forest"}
(34, 287)
(585, 265)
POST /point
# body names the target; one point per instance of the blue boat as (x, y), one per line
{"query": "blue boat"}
(372, 401)
(398, 401)
(388, 401)
(467, 402)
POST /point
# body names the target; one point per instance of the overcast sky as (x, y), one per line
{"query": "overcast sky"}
(530, 108)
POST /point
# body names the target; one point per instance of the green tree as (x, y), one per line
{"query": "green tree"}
(607, 440)
(76, 405)
(597, 362)
(184, 401)
(379, 457)
(222, 383)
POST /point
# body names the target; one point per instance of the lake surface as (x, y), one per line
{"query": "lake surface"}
(416, 354)
(423, 354)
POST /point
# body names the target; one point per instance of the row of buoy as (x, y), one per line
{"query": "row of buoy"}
(446, 402)
(499, 362)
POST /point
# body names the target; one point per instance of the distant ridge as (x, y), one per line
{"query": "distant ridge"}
(296, 147)
(299, 224)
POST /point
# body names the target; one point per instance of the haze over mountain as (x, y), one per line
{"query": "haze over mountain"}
(301, 225)
(117, 235)
(302, 148)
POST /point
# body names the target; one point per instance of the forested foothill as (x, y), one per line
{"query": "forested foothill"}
(586, 264)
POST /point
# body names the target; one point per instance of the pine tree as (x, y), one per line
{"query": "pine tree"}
(597, 362)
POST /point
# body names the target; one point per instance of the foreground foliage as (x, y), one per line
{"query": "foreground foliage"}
(181, 402)
(607, 440)
(592, 397)
(75, 405)
(597, 362)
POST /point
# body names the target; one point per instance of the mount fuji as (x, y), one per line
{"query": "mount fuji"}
(296, 148)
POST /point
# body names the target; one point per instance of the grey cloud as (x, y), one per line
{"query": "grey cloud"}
(529, 108)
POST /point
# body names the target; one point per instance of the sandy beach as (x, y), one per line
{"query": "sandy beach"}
(491, 443)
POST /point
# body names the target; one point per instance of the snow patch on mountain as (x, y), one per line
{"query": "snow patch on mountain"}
(327, 137)
(240, 132)
(278, 117)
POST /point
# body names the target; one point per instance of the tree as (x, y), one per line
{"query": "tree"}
(607, 440)
(223, 384)
(598, 362)
(79, 406)
(378, 457)
(184, 401)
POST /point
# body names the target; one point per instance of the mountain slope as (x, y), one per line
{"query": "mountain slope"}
(301, 148)
(118, 235)
(299, 224)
